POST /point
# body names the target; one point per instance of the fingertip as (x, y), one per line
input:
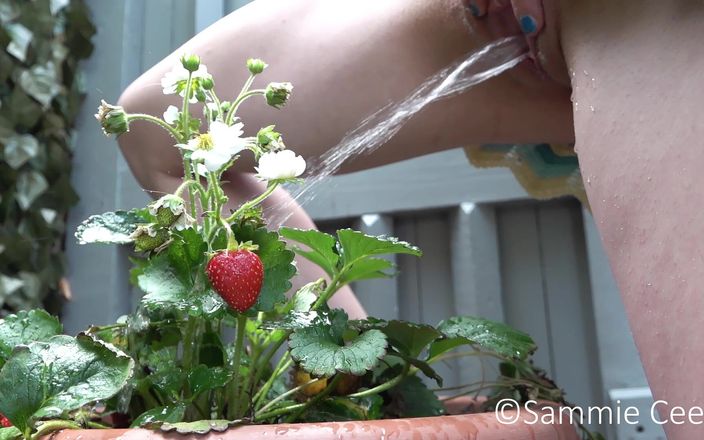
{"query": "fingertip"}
(477, 8)
(530, 16)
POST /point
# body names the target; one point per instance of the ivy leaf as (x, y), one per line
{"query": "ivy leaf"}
(46, 379)
(321, 245)
(26, 327)
(30, 185)
(111, 227)
(20, 149)
(411, 398)
(321, 351)
(277, 262)
(489, 335)
(199, 427)
(356, 245)
(162, 414)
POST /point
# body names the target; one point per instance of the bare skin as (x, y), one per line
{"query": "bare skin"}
(638, 147)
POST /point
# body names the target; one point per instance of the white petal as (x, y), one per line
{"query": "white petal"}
(171, 114)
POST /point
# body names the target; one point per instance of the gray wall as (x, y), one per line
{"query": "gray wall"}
(489, 250)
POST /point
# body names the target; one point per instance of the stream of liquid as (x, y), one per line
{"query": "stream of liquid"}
(378, 128)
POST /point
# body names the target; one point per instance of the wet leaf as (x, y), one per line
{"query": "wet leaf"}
(159, 415)
(110, 228)
(20, 149)
(321, 247)
(411, 398)
(46, 379)
(10, 433)
(488, 335)
(26, 327)
(199, 427)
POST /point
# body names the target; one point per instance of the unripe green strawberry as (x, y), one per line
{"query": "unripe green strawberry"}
(149, 237)
(237, 277)
(168, 209)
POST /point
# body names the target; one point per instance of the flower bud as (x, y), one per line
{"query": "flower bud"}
(112, 118)
(190, 62)
(207, 83)
(270, 140)
(200, 95)
(256, 66)
(149, 237)
(278, 93)
(168, 209)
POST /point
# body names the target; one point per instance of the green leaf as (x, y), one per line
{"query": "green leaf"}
(321, 351)
(423, 366)
(340, 409)
(30, 185)
(111, 227)
(203, 379)
(321, 247)
(411, 398)
(292, 321)
(407, 337)
(162, 414)
(160, 283)
(26, 327)
(199, 427)
(187, 253)
(20, 149)
(46, 379)
(489, 335)
(10, 433)
(277, 262)
(357, 245)
(368, 268)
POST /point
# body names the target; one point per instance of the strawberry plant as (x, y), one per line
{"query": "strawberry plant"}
(215, 341)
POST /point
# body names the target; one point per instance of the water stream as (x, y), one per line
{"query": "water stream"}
(373, 132)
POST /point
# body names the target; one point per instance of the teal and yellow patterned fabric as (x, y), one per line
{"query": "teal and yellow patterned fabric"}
(545, 170)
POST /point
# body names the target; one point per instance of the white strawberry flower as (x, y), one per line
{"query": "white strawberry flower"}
(216, 147)
(175, 80)
(280, 165)
(171, 115)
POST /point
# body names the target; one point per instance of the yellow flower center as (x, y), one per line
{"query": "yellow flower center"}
(205, 142)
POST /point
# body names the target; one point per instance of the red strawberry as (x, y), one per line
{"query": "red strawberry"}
(237, 277)
(4, 422)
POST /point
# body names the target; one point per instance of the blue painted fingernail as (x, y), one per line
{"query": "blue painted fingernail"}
(473, 9)
(528, 24)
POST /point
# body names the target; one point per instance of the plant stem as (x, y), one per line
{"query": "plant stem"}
(240, 99)
(185, 125)
(153, 119)
(280, 411)
(245, 88)
(252, 203)
(384, 386)
(235, 396)
(285, 395)
(188, 342)
(284, 363)
(52, 426)
(317, 398)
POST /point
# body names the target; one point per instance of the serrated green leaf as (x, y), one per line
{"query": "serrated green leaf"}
(187, 253)
(292, 321)
(46, 379)
(411, 398)
(489, 335)
(320, 350)
(162, 414)
(407, 337)
(10, 433)
(203, 378)
(199, 427)
(367, 268)
(356, 245)
(26, 327)
(321, 247)
(111, 227)
(277, 261)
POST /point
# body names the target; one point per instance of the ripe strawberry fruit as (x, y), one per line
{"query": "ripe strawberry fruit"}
(4, 422)
(237, 277)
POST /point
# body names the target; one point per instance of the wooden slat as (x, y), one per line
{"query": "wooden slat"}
(567, 293)
(379, 296)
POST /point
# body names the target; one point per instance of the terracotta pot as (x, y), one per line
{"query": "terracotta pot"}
(483, 426)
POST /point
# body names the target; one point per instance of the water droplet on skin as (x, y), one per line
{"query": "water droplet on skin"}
(649, 178)
(585, 73)
(591, 107)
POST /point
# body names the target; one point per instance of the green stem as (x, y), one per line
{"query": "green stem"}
(235, 397)
(188, 342)
(317, 398)
(240, 99)
(329, 291)
(53, 426)
(285, 395)
(153, 119)
(252, 203)
(384, 386)
(185, 119)
(245, 88)
(96, 425)
(284, 364)
(280, 411)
